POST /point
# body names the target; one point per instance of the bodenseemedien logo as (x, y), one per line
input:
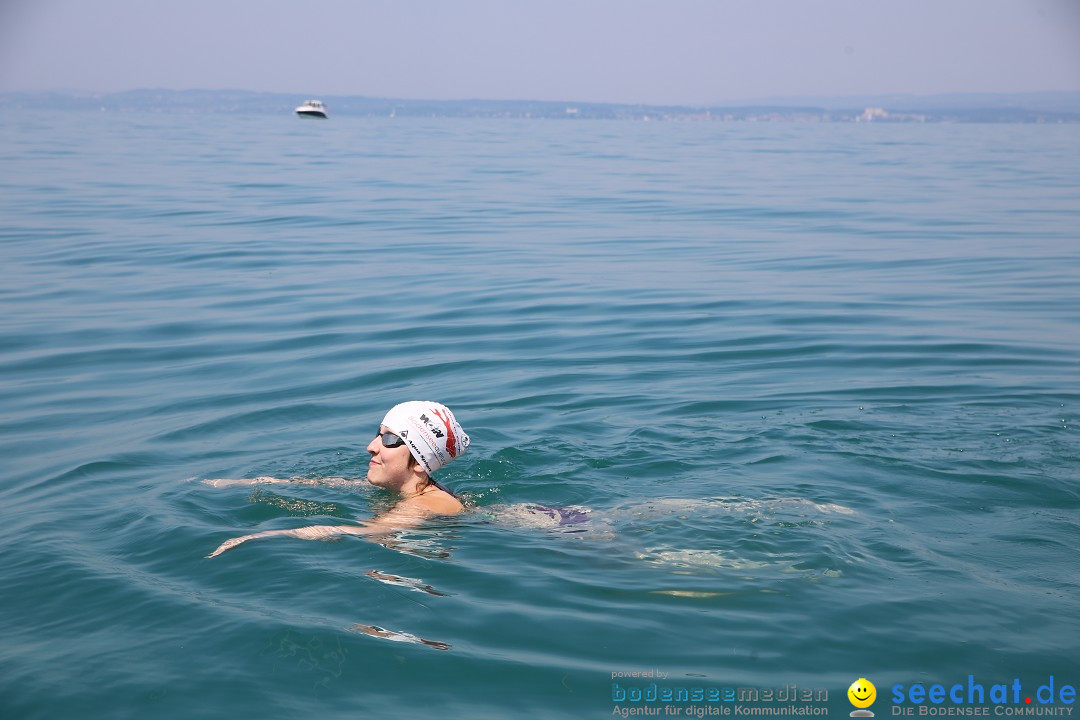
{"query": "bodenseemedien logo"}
(862, 694)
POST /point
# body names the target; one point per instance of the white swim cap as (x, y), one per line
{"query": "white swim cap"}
(430, 430)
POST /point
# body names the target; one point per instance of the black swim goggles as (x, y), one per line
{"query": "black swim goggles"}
(390, 440)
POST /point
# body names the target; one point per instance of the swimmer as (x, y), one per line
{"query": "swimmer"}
(414, 440)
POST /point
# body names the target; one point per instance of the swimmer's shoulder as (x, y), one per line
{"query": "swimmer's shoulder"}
(442, 503)
(446, 500)
(433, 502)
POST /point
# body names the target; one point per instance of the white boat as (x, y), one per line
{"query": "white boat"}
(312, 109)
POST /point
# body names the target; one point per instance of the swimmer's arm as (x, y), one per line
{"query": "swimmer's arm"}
(383, 525)
(312, 532)
(267, 480)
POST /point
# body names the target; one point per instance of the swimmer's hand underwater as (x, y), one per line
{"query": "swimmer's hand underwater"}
(398, 519)
(313, 532)
(267, 480)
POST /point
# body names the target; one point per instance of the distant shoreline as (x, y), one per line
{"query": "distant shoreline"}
(1063, 107)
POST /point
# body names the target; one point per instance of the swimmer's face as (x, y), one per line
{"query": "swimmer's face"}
(388, 467)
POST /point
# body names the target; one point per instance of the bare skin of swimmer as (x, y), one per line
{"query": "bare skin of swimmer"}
(389, 468)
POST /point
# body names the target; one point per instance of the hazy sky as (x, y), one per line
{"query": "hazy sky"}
(648, 51)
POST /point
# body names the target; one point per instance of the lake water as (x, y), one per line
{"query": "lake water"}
(818, 384)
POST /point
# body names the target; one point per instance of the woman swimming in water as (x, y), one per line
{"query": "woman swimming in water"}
(414, 440)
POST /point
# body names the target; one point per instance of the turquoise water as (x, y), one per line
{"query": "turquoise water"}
(819, 385)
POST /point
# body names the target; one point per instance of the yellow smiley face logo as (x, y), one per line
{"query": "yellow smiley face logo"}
(862, 693)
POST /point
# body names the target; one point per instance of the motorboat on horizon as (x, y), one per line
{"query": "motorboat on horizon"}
(313, 109)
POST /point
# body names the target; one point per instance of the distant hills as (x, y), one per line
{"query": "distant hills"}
(967, 108)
